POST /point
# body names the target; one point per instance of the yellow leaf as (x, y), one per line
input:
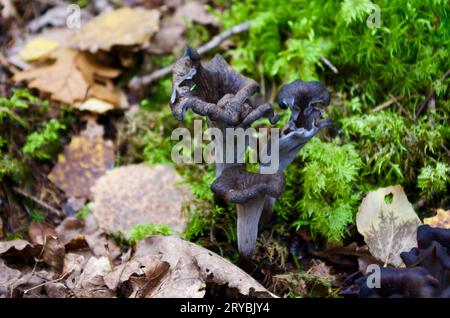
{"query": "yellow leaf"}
(441, 219)
(96, 106)
(37, 49)
(124, 26)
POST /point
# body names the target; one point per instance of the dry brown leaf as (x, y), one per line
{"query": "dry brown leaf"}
(71, 79)
(8, 277)
(192, 266)
(388, 228)
(84, 160)
(136, 194)
(78, 234)
(125, 26)
(45, 237)
(62, 79)
(19, 248)
(441, 219)
(108, 93)
(90, 283)
(31, 283)
(148, 267)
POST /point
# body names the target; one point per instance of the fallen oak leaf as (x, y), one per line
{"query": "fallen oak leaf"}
(388, 228)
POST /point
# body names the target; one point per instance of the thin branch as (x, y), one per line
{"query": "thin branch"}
(137, 81)
(39, 259)
(329, 64)
(430, 96)
(385, 104)
(402, 109)
(26, 291)
(39, 202)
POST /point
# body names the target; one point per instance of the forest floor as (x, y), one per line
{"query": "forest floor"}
(91, 204)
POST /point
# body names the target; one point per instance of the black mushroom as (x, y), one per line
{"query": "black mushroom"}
(302, 97)
(216, 91)
(427, 272)
(249, 191)
(305, 122)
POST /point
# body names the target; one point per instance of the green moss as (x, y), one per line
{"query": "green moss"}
(83, 213)
(141, 231)
(329, 196)
(406, 56)
(43, 144)
(37, 216)
(434, 179)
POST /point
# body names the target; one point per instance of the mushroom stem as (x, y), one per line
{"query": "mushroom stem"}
(248, 215)
(267, 209)
(222, 144)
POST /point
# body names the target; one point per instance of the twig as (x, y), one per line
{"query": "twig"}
(329, 64)
(385, 104)
(26, 291)
(38, 260)
(446, 149)
(137, 81)
(37, 201)
(402, 109)
(430, 96)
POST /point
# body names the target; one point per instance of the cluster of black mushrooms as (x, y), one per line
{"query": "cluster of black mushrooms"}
(224, 97)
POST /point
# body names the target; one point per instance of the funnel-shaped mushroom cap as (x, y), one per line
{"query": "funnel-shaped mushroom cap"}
(236, 185)
(301, 94)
